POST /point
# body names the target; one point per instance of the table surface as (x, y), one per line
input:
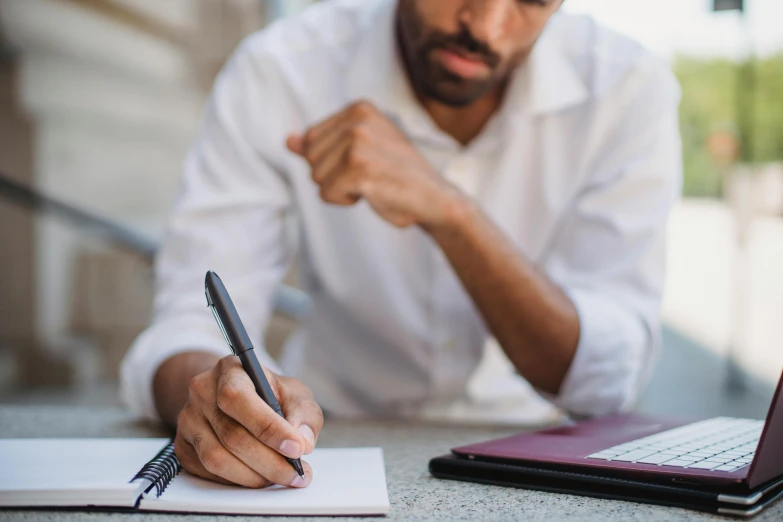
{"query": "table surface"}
(414, 494)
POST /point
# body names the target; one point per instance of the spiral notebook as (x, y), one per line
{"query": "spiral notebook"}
(143, 474)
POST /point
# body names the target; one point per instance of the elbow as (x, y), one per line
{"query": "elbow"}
(610, 381)
(606, 398)
(613, 360)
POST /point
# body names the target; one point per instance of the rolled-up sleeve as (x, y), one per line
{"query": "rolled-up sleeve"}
(609, 251)
(229, 217)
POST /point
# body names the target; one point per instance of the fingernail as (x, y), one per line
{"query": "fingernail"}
(291, 449)
(300, 482)
(307, 433)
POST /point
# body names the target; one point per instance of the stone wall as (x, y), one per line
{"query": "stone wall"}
(98, 109)
(17, 306)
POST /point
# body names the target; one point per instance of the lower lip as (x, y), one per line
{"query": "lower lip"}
(461, 66)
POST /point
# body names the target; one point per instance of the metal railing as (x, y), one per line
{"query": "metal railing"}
(288, 300)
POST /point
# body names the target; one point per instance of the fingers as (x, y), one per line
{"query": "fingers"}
(295, 143)
(319, 149)
(301, 410)
(228, 434)
(322, 137)
(341, 187)
(333, 161)
(327, 158)
(328, 125)
(259, 457)
(298, 143)
(215, 460)
(237, 398)
(328, 146)
(189, 459)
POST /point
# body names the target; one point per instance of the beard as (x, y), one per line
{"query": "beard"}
(429, 77)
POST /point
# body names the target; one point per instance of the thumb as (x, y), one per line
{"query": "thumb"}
(296, 144)
(302, 412)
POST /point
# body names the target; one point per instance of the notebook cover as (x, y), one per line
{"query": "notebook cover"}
(72, 471)
(454, 467)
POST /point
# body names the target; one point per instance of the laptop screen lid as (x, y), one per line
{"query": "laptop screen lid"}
(768, 462)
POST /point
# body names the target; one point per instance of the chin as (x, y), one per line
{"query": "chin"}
(455, 94)
(442, 86)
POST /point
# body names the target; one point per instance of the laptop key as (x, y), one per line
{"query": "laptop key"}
(701, 454)
(718, 458)
(678, 463)
(705, 464)
(655, 459)
(602, 455)
(734, 453)
(632, 456)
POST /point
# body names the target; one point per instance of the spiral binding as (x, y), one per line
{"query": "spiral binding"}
(161, 469)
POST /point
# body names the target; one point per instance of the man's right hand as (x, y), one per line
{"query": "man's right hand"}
(228, 434)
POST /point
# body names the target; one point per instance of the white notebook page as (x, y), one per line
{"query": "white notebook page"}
(350, 481)
(72, 472)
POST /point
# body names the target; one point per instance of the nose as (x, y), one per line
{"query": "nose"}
(485, 18)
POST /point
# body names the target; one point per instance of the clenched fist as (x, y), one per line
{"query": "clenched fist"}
(228, 434)
(359, 153)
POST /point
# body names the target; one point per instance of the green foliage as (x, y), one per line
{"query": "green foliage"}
(711, 101)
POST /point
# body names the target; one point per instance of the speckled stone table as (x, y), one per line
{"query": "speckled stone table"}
(414, 494)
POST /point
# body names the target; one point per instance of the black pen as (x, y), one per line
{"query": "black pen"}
(236, 336)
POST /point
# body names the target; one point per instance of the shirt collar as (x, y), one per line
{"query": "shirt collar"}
(547, 82)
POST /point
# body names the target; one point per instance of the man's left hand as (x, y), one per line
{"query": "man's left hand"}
(358, 153)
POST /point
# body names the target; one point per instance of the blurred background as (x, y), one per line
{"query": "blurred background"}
(100, 99)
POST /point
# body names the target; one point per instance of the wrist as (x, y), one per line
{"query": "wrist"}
(452, 212)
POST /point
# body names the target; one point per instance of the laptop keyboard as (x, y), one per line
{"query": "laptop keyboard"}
(719, 444)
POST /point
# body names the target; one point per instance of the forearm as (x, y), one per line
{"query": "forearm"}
(170, 385)
(533, 320)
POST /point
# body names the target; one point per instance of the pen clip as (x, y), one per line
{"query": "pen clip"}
(209, 297)
(211, 306)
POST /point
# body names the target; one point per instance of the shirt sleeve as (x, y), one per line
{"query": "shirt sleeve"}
(609, 252)
(229, 217)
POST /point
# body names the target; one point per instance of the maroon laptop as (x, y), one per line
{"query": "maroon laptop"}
(724, 465)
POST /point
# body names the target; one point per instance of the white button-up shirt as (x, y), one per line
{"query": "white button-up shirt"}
(579, 168)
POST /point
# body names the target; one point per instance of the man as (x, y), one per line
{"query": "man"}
(458, 169)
